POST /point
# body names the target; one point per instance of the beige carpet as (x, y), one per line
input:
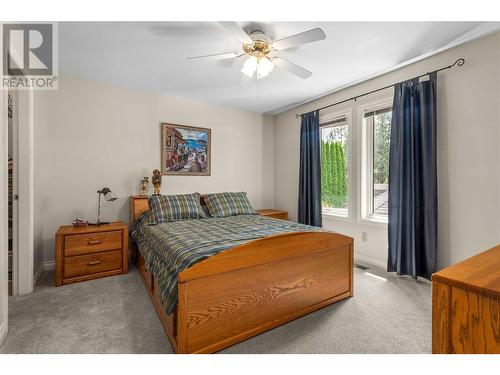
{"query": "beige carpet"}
(115, 315)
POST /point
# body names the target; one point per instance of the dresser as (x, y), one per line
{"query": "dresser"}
(276, 214)
(91, 252)
(466, 306)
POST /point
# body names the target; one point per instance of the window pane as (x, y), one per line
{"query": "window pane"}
(334, 164)
(381, 143)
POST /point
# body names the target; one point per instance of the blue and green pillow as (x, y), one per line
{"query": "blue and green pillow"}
(229, 204)
(165, 208)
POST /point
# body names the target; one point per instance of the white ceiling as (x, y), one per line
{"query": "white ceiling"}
(152, 56)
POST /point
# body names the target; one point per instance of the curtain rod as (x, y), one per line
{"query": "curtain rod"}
(459, 62)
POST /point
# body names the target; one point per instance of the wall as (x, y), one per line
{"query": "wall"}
(468, 153)
(90, 135)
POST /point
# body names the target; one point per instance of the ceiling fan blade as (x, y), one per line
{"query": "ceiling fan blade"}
(291, 67)
(216, 56)
(237, 32)
(229, 63)
(296, 40)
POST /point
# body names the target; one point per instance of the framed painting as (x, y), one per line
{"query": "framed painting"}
(185, 150)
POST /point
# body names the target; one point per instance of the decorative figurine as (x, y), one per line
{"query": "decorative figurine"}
(156, 180)
(77, 223)
(144, 185)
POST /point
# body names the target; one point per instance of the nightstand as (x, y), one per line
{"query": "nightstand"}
(91, 252)
(276, 214)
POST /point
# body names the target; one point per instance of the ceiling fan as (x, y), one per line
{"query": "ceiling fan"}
(263, 53)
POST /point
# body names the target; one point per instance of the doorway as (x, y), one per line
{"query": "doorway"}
(20, 191)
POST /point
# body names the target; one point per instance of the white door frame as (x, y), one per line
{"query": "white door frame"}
(25, 228)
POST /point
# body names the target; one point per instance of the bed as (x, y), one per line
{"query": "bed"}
(259, 282)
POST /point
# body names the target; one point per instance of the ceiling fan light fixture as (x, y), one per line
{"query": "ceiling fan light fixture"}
(250, 66)
(264, 67)
(263, 52)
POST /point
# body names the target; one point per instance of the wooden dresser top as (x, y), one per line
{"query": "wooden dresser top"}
(270, 211)
(70, 229)
(480, 273)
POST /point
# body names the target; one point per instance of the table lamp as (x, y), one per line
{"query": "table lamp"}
(109, 196)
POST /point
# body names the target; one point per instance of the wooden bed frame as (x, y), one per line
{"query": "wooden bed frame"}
(251, 288)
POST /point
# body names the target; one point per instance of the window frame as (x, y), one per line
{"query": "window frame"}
(341, 213)
(365, 177)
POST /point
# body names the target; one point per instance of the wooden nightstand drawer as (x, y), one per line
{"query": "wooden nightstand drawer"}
(93, 263)
(92, 242)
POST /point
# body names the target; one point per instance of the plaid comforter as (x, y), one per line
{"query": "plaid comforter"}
(169, 248)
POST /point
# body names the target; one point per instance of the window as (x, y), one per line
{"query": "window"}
(375, 170)
(335, 166)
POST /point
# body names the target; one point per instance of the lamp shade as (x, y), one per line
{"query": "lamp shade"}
(249, 66)
(107, 194)
(264, 67)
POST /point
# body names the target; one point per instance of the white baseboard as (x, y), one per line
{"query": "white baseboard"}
(49, 265)
(38, 275)
(3, 332)
(44, 267)
(368, 261)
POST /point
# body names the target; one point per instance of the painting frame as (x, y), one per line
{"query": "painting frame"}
(169, 148)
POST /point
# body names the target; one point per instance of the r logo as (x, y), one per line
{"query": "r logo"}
(27, 49)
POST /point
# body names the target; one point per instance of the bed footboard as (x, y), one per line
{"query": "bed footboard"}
(259, 285)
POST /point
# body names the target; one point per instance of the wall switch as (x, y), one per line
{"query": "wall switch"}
(364, 236)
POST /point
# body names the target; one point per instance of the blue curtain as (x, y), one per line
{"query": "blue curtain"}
(310, 170)
(413, 179)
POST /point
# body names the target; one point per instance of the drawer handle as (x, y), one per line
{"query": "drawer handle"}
(94, 242)
(94, 262)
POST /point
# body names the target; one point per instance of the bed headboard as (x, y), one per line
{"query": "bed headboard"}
(139, 204)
